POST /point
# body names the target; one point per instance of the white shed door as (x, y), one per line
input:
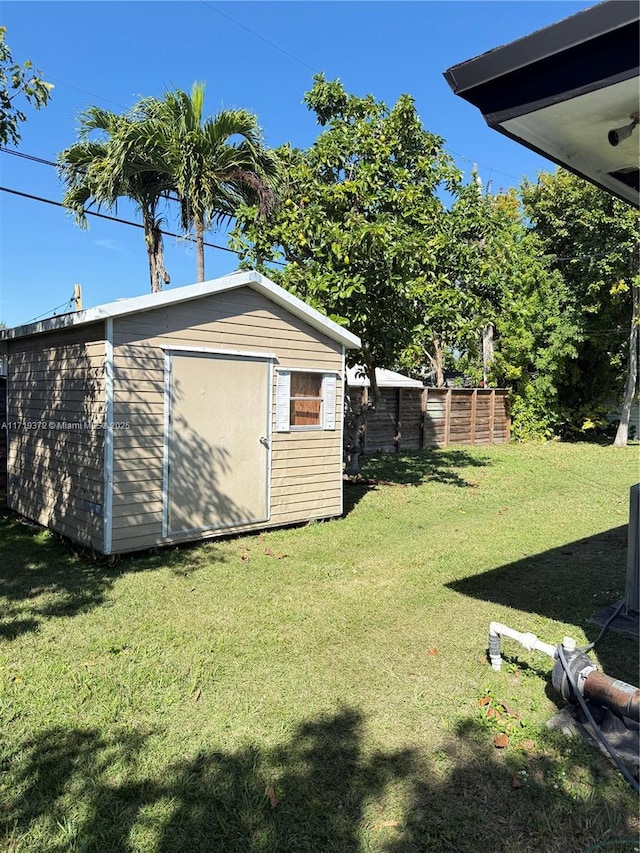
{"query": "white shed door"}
(218, 457)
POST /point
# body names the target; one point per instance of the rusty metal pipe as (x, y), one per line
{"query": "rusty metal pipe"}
(616, 695)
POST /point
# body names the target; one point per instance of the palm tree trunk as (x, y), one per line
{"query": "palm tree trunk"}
(153, 277)
(622, 435)
(153, 242)
(199, 227)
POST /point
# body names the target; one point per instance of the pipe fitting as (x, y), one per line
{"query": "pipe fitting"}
(528, 640)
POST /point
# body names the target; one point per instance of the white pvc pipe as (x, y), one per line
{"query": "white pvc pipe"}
(528, 640)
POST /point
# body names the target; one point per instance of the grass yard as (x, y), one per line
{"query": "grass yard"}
(324, 688)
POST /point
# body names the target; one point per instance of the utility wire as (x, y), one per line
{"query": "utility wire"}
(261, 37)
(87, 92)
(295, 59)
(24, 156)
(45, 162)
(52, 311)
(483, 165)
(124, 221)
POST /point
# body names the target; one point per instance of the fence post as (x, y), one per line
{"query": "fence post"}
(423, 408)
(474, 398)
(447, 416)
(506, 403)
(492, 415)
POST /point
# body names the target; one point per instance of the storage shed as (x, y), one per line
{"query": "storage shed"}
(196, 412)
(396, 422)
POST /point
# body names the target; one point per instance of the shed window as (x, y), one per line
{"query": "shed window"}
(306, 400)
(305, 407)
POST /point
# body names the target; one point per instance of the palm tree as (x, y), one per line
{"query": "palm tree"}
(216, 164)
(122, 162)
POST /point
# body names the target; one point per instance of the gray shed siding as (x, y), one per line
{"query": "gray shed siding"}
(55, 409)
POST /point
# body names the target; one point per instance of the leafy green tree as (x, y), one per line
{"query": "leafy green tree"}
(595, 241)
(215, 164)
(536, 325)
(18, 83)
(497, 311)
(360, 218)
(113, 159)
(456, 305)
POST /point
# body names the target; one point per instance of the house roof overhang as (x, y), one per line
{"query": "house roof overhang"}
(151, 301)
(562, 89)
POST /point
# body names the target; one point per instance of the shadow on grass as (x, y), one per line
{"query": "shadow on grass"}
(424, 466)
(568, 584)
(317, 792)
(43, 577)
(411, 469)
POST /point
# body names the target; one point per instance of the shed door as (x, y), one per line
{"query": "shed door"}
(218, 458)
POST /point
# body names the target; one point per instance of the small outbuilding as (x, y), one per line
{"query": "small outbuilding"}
(206, 410)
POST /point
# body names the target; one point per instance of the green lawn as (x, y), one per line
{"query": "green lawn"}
(319, 688)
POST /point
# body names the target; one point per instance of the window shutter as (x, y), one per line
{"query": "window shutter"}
(283, 398)
(329, 385)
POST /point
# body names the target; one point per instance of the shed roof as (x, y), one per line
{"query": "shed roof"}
(150, 301)
(384, 378)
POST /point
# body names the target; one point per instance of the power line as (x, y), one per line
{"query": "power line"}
(24, 156)
(285, 53)
(315, 71)
(45, 162)
(123, 221)
(87, 92)
(52, 311)
(482, 165)
(261, 37)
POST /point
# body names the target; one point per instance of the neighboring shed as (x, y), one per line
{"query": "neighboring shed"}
(396, 422)
(196, 412)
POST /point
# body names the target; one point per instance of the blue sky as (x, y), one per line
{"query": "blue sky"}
(257, 55)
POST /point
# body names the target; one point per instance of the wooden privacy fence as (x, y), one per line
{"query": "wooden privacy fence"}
(465, 416)
(414, 418)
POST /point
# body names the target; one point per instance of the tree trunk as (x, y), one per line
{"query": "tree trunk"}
(151, 255)
(354, 418)
(152, 267)
(370, 370)
(487, 351)
(437, 346)
(199, 228)
(153, 241)
(622, 434)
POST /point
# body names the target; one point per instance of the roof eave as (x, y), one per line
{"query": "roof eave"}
(579, 29)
